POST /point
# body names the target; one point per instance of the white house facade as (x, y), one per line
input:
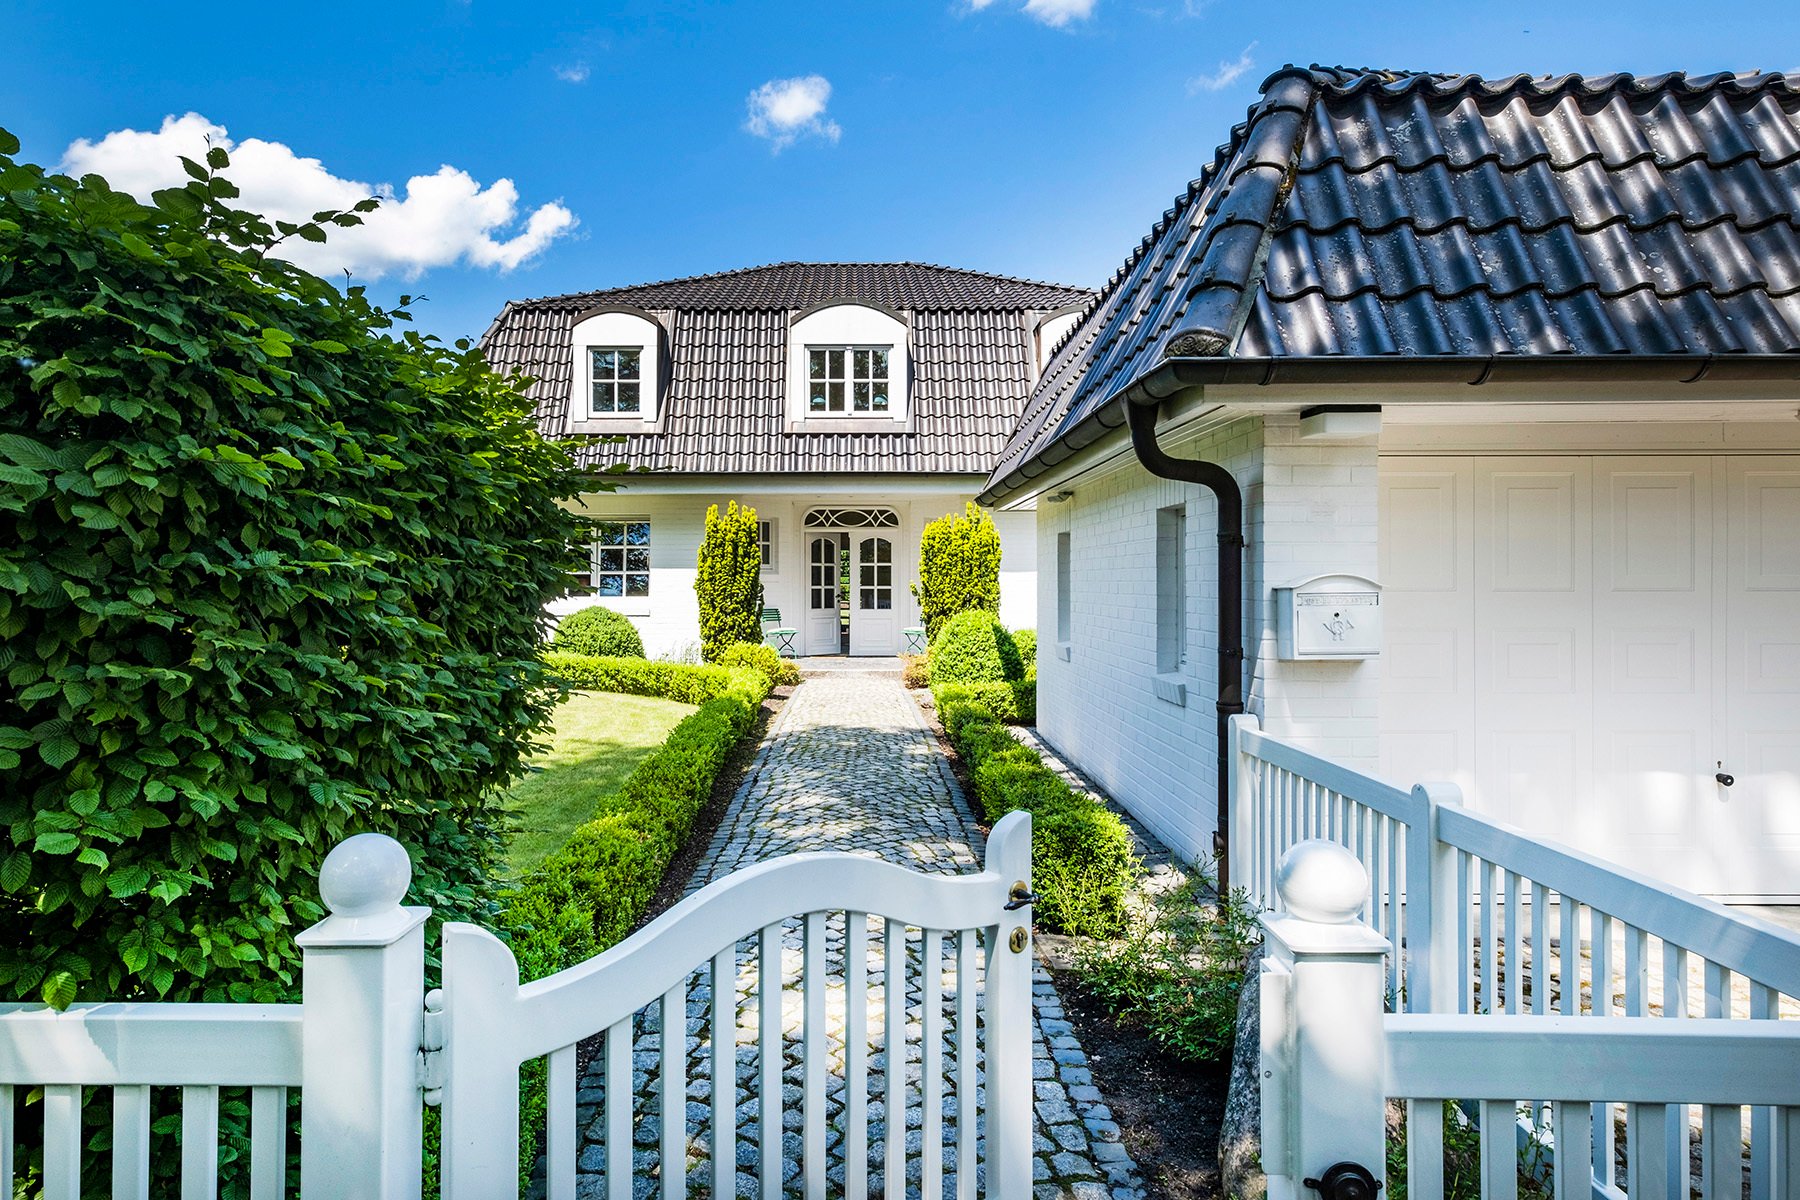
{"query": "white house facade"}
(1507, 376)
(848, 404)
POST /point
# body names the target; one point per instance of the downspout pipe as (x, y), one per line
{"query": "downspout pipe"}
(1230, 702)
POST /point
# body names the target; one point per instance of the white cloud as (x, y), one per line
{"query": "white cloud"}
(785, 110)
(1227, 74)
(573, 73)
(441, 219)
(1054, 13)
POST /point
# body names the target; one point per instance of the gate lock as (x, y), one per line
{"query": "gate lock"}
(1345, 1181)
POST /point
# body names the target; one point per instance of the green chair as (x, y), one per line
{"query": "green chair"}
(915, 639)
(777, 635)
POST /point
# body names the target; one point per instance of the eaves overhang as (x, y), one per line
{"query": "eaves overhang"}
(1173, 376)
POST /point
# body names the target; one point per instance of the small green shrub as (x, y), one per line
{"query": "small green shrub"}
(959, 568)
(782, 672)
(1025, 640)
(915, 670)
(1178, 970)
(598, 631)
(641, 677)
(974, 647)
(728, 581)
(1012, 702)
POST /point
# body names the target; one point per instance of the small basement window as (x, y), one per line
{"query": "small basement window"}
(847, 379)
(621, 559)
(615, 377)
(1171, 589)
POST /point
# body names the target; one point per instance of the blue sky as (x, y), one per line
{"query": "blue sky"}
(1028, 137)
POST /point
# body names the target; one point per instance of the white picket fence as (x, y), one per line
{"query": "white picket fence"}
(1496, 952)
(366, 1049)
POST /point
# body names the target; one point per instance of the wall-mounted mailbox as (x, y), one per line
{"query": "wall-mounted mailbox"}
(1328, 616)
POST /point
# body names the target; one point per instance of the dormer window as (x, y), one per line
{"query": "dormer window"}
(616, 375)
(848, 379)
(616, 383)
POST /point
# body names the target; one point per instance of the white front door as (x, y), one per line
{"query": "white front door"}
(824, 599)
(1584, 643)
(874, 621)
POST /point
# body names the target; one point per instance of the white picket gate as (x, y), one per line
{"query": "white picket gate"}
(1491, 953)
(366, 1055)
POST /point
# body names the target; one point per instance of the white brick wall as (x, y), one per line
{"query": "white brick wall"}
(1309, 509)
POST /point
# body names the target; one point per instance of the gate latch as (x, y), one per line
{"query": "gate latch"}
(1019, 896)
(431, 1049)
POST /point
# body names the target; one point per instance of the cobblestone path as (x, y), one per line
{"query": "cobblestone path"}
(850, 765)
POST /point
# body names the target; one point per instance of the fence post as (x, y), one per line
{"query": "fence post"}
(1007, 1022)
(1432, 953)
(1241, 851)
(363, 1003)
(1324, 1102)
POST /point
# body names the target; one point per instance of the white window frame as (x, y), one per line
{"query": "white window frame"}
(768, 540)
(624, 599)
(617, 381)
(848, 380)
(615, 329)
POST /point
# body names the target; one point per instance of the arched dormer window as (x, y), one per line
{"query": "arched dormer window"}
(617, 377)
(848, 366)
(1050, 330)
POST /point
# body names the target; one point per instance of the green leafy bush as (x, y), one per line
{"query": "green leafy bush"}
(598, 631)
(915, 670)
(1081, 856)
(728, 581)
(782, 672)
(959, 568)
(591, 893)
(643, 677)
(271, 573)
(1177, 971)
(973, 647)
(1025, 642)
(1012, 702)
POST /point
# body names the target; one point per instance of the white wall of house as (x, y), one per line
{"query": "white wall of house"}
(1310, 509)
(669, 618)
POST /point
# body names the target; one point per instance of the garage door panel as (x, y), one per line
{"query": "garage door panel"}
(1650, 529)
(1534, 537)
(1527, 777)
(1534, 662)
(1645, 781)
(1657, 661)
(1423, 534)
(1769, 511)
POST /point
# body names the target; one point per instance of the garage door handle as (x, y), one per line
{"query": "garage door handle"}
(1726, 780)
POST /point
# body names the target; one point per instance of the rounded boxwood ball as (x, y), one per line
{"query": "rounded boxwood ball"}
(974, 647)
(598, 631)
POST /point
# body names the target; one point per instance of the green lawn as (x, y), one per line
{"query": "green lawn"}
(600, 738)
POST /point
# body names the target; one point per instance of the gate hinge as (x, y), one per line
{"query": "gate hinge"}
(431, 1049)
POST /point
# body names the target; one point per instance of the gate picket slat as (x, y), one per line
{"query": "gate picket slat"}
(1675, 1004)
(131, 1142)
(62, 1142)
(1568, 958)
(1540, 949)
(618, 1110)
(1424, 1150)
(769, 1062)
(967, 1047)
(1721, 1152)
(931, 1063)
(1600, 1005)
(1515, 953)
(893, 998)
(199, 1143)
(559, 1125)
(1647, 1152)
(672, 1087)
(815, 1048)
(1487, 878)
(6, 1139)
(1499, 1150)
(1784, 1154)
(1465, 931)
(856, 1054)
(1765, 1004)
(268, 1143)
(723, 1032)
(1571, 1127)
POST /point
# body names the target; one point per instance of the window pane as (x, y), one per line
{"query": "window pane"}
(878, 366)
(837, 363)
(868, 575)
(879, 401)
(835, 394)
(884, 600)
(603, 364)
(637, 585)
(612, 560)
(603, 397)
(884, 575)
(637, 560)
(611, 533)
(628, 397)
(868, 598)
(862, 364)
(816, 368)
(818, 397)
(637, 533)
(611, 585)
(859, 398)
(628, 364)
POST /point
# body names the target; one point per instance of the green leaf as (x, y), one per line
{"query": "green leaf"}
(15, 871)
(217, 158)
(59, 990)
(59, 750)
(8, 143)
(56, 843)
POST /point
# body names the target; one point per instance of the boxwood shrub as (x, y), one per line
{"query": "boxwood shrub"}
(1081, 856)
(974, 647)
(782, 672)
(598, 631)
(1014, 702)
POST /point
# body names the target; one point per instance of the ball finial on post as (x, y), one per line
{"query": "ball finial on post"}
(365, 875)
(1321, 881)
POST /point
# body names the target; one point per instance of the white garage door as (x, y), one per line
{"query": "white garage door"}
(1585, 643)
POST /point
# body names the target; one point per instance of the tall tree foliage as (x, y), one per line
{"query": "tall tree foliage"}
(271, 573)
(959, 568)
(728, 581)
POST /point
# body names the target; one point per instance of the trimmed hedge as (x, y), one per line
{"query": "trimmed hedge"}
(1081, 857)
(1025, 641)
(974, 647)
(782, 672)
(1012, 702)
(598, 631)
(591, 893)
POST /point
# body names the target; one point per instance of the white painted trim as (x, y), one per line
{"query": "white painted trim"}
(610, 330)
